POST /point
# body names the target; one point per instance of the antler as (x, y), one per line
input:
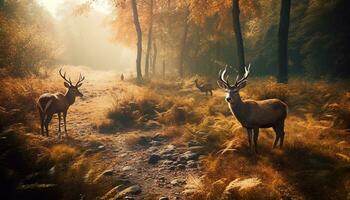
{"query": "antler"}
(245, 76)
(64, 77)
(81, 78)
(223, 77)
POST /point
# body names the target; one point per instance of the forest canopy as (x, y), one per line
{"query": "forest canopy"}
(187, 35)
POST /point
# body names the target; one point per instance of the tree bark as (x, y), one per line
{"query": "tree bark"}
(283, 42)
(139, 39)
(149, 42)
(238, 36)
(154, 58)
(183, 46)
(163, 68)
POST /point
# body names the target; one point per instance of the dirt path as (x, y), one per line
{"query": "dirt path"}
(165, 178)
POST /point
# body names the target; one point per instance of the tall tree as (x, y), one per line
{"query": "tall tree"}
(2, 3)
(238, 35)
(139, 39)
(183, 44)
(283, 42)
(149, 42)
(154, 57)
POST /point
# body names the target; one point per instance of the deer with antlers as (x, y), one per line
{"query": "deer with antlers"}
(254, 114)
(49, 104)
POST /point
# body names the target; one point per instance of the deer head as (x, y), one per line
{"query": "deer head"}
(72, 89)
(232, 94)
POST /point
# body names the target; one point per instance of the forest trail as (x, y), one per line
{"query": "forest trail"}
(111, 155)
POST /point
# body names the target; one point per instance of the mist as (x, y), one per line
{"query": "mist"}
(85, 39)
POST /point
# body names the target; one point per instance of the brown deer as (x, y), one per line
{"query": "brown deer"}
(254, 114)
(49, 104)
(205, 87)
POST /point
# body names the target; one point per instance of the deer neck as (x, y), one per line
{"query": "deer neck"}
(70, 98)
(239, 109)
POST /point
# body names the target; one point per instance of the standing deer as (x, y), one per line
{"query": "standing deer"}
(206, 87)
(254, 114)
(49, 104)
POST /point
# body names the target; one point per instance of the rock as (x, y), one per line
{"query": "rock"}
(240, 186)
(177, 182)
(143, 141)
(127, 168)
(154, 159)
(101, 147)
(159, 137)
(192, 164)
(164, 198)
(181, 166)
(172, 168)
(151, 124)
(169, 149)
(132, 190)
(167, 162)
(111, 193)
(153, 149)
(155, 143)
(129, 198)
(188, 155)
(108, 172)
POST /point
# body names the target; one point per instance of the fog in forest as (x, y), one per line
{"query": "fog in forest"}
(86, 38)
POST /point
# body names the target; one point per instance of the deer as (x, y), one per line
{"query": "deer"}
(205, 87)
(49, 104)
(252, 114)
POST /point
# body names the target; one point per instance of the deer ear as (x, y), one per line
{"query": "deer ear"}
(66, 85)
(242, 85)
(79, 85)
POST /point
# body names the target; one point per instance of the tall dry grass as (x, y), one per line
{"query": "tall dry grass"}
(315, 153)
(19, 95)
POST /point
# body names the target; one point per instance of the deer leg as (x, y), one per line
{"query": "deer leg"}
(250, 133)
(59, 122)
(278, 136)
(65, 122)
(211, 93)
(256, 135)
(42, 122)
(281, 128)
(47, 121)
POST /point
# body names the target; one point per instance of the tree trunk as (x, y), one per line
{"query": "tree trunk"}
(149, 42)
(139, 39)
(163, 68)
(154, 58)
(283, 42)
(183, 46)
(238, 36)
(2, 4)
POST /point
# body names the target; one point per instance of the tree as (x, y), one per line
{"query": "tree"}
(154, 58)
(139, 39)
(149, 42)
(283, 42)
(238, 35)
(2, 4)
(183, 44)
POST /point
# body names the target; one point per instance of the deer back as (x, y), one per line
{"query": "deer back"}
(52, 103)
(262, 114)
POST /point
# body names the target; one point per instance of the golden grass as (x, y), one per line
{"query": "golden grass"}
(318, 121)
